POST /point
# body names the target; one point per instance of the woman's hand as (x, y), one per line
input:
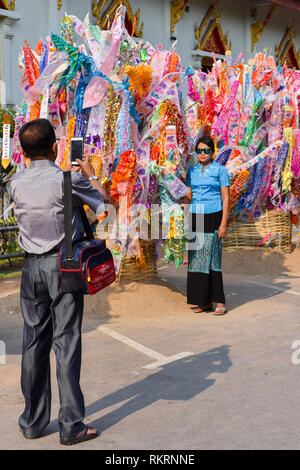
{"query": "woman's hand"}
(222, 231)
(189, 195)
(87, 169)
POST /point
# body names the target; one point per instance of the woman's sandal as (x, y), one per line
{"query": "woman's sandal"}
(82, 436)
(198, 309)
(220, 311)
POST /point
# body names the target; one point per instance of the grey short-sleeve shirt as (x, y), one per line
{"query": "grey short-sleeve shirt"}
(38, 196)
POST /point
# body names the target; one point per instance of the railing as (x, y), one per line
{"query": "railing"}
(9, 246)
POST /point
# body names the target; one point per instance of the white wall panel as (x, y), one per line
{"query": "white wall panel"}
(39, 17)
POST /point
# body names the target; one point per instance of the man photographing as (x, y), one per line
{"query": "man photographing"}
(51, 318)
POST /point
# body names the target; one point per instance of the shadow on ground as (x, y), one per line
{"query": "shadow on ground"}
(180, 380)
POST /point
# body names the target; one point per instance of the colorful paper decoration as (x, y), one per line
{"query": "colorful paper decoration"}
(6, 141)
(140, 113)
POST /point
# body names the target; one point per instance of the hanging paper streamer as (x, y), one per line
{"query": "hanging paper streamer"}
(295, 167)
(278, 236)
(223, 156)
(276, 187)
(247, 201)
(67, 31)
(6, 141)
(236, 188)
(17, 156)
(6, 212)
(220, 127)
(267, 237)
(287, 174)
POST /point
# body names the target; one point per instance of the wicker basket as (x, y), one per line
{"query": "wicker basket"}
(135, 268)
(243, 235)
(140, 269)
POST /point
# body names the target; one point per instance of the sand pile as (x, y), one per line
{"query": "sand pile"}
(132, 299)
(262, 262)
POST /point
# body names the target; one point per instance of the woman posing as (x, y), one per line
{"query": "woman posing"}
(209, 203)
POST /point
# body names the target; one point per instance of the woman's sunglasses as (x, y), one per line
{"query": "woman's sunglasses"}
(206, 151)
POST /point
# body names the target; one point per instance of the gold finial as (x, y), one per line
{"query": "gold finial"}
(286, 46)
(106, 17)
(258, 28)
(9, 4)
(177, 10)
(204, 32)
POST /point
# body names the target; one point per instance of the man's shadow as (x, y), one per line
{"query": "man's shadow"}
(180, 380)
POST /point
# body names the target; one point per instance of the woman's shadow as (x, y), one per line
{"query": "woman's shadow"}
(181, 380)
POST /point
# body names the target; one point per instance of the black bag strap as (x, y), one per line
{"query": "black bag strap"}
(68, 216)
(86, 224)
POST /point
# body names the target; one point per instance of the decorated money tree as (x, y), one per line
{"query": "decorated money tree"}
(139, 112)
(124, 98)
(252, 112)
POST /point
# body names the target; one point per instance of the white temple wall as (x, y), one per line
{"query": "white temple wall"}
(34, 19)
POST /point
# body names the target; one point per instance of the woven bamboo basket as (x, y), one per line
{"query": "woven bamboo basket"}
(241, 235)
(140, 269)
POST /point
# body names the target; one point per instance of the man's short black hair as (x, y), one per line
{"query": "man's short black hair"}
(37, 138)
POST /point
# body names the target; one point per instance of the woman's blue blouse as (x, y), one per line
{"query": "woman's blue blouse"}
(206, 187)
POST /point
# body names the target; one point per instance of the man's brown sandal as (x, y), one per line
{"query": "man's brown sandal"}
(82, 436)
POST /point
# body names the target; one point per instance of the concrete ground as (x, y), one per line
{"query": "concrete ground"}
(235, 387)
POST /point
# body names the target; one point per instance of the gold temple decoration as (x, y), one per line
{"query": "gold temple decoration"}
(258, 28)
(59, 4)
(104, 19)
(9, 4)
(177, 10)
(286, 50)
(205, 33)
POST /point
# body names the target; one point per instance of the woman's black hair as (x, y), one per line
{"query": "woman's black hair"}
(207, 141)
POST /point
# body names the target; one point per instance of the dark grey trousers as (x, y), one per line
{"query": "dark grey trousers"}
(50, 319)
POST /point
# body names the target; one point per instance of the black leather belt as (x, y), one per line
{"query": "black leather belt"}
(55, 251)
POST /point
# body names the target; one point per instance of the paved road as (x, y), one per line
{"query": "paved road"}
(236, 389)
